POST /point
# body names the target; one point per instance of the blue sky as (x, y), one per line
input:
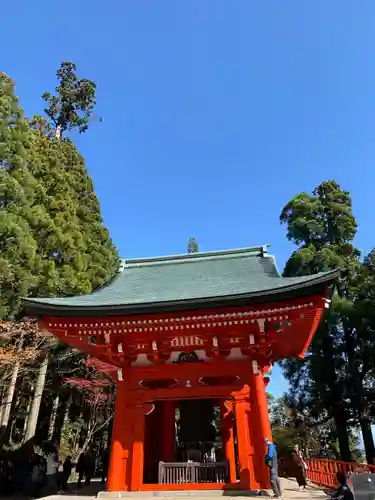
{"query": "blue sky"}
(215, 112)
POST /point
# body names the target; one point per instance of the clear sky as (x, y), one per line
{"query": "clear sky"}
(215, 112)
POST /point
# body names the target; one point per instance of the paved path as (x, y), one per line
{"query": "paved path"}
(290, 492)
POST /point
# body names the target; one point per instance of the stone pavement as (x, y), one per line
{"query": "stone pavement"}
(290, 492)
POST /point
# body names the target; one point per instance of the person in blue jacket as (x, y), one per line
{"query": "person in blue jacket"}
(271, 462)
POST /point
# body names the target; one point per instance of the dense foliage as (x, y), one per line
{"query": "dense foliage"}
(192, 245)
(52, 237)
(335, 381)
(52, 242)
(74, 102)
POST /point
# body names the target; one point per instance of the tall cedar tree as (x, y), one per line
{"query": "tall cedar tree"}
(20, 193)
(77, 253)
(356, 308)
(74, 103)
(192, 245)
(324, 227)
(52, 237)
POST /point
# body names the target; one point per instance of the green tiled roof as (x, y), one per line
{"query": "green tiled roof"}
(185, 280)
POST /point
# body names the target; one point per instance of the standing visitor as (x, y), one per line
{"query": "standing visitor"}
(105, 465)
(300, 467)
(52, 470)
(89, 466)
(85, 467)
(37, 475)
(271, 462)
(65, 475)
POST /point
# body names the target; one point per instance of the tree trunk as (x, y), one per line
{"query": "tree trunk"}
(342, 437)
(28, 407)
(368, 439)
(52, 420)
(58, 132)
(358, 400)
(37, 398)
(338, 409)
(2, 404)
(9, 396)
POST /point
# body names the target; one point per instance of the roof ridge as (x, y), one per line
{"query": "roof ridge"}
(260, 251)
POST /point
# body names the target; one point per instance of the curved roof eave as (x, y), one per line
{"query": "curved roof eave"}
(302, 288)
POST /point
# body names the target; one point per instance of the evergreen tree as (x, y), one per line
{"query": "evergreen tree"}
(324, 227)
(73, 105)
(192, 245)
(52, 237)
(76, 251)
(19, 191)
(356, 309)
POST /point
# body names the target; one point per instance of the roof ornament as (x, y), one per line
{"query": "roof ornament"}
(264, 250)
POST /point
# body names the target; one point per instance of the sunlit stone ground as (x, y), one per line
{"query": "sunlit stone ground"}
(290, 491)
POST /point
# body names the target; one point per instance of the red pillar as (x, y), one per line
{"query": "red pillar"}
(153, 441)
(138, 443)
(227, 435)
(118, 474)
(169, 430)
(262, 404)
(245, 449)
(262, 427)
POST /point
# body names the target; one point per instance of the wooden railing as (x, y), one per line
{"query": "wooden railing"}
(193, 472)
(323, 472)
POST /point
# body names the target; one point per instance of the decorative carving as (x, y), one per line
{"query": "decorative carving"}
(229, 405)
(164, 383)
(242, 395)
(188, 357)
(187, 341)
(234, 340)
(261, 323)
(148, 408)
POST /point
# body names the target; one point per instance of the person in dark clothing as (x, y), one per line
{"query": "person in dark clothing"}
(343, 491)
(299, 467)
(65, 475)
(105, 465)
(80, 469)
(271, 462)
(89, 466)
(38, 475)
(85, 468)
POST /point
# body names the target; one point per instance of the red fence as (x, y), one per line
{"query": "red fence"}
(323, 472)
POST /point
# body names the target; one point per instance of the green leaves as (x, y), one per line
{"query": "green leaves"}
(52, 238)
(74, 103)
(323, 226)
(192, 245)
(323, 218)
